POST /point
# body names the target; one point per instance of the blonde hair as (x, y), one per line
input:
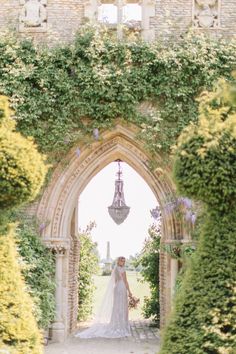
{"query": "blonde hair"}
(119, 259)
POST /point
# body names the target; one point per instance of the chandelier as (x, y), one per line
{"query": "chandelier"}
(119, 210)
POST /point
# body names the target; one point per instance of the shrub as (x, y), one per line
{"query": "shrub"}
(22, 173)
(204, 320)
(21, 166)
(18, 328)
(39, 271)
(149, 262)
(205, 167)
(87, 268)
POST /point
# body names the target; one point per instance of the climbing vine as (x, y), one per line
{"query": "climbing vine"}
(149, 259)
(62, 95)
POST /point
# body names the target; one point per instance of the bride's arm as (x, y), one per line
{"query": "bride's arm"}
(126, 283)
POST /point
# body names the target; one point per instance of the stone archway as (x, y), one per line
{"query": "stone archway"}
(58, 209)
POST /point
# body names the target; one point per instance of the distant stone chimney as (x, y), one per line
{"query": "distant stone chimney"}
(108, 251)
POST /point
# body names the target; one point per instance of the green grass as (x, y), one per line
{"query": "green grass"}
(137, 288)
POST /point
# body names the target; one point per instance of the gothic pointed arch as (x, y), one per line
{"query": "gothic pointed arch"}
(58, 207)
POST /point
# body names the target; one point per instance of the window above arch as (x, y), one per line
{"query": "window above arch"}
(123, 16)
(132, 14)
(107, 13)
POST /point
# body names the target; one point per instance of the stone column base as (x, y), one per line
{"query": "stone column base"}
(58, 332)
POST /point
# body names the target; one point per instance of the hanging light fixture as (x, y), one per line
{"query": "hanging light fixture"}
(119, 210)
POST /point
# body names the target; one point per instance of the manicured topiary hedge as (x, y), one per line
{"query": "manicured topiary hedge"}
(22, 173)
(22, 169)
(204, 319)
(19, 333)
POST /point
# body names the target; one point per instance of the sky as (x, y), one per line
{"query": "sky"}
(127, 238)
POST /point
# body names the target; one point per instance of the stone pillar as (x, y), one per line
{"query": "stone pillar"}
(164, 282)
(90, 10)
(59, 248)
(148, 11)
(119, 4)
(74, 254)
(58, 327)
(173, 275)
(168, 274)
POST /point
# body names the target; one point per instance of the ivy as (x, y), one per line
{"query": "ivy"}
(149, 260)
(88, 267)
(38, 271)
(61, 94)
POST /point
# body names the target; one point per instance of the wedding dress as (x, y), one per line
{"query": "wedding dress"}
(112, 319)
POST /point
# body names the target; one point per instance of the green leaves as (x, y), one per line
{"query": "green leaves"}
(19, 333)
(100, 79)
(148, 260)
(39, 269)
(204, 319)
(205, 167)
(87, 268)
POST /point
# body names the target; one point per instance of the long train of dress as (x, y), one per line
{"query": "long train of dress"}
(117, 325)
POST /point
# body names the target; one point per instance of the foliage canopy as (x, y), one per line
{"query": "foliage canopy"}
(61, 94)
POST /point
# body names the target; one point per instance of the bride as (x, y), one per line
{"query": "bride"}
(112, 318)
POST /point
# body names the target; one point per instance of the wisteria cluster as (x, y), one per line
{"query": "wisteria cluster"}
(185, 204)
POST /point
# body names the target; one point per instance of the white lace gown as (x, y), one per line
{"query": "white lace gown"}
(118, 325)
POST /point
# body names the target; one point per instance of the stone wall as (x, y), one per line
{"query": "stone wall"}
(173, 18)
(53, 21)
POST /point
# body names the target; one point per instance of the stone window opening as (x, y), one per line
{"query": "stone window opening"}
(108, 14)
(123, 17)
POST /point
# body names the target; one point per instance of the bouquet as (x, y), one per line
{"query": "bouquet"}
(133, 302)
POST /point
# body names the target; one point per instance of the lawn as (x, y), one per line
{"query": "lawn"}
(137, 288)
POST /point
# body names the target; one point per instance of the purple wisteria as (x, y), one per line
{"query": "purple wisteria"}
(78, 152)
(96, 133)
(187, 203)
(156, 213)
(42, 227)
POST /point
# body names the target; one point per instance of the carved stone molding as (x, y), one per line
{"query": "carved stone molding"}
(33, 16)
(58, 205)
(95, 155)
(206, 13)
(58, 246)
(53, 201)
